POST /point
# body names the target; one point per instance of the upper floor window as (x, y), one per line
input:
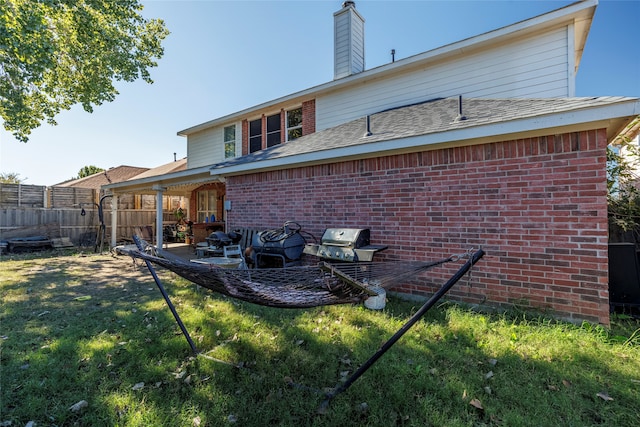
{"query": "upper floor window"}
(294, 124)
(229, 141)
(273, 130)
(255, 135)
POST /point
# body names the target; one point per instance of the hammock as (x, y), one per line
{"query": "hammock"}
(293, 287)
(305, 286)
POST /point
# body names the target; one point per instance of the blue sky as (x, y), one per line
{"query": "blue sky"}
(222, 57)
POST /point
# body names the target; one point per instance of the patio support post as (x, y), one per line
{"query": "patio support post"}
(159, 190)
(114, 220)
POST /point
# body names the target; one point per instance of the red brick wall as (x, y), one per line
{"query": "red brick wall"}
(193, 200)
(308, 117)
(245, 137)
(537, 206)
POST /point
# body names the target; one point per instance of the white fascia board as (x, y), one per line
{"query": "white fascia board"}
(189, 176)
(555, 123)
(581, 11)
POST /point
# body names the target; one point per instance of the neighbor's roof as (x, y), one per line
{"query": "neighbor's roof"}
(415, 127)
(110, 176)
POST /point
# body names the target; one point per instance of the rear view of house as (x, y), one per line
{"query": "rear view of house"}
(477, 143)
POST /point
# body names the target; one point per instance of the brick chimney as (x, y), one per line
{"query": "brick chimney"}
(348, 35)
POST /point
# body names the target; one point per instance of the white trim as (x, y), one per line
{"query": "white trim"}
(572, 68)
(185, 176)
(570, 121)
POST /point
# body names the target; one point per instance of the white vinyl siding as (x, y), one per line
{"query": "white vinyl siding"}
(207, 147)
(349, 43)
(535, 67)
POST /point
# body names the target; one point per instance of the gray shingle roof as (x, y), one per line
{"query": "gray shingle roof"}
(421, 119)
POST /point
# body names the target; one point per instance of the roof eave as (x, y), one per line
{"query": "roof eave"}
(194, 176)
(614, 118)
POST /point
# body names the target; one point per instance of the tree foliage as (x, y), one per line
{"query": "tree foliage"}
(10, 178)
(57, 53)
(88, 171)
(623, 162)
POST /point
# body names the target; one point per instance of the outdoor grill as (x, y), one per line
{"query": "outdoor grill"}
(219, 239)
(285, 244)
(345, 244)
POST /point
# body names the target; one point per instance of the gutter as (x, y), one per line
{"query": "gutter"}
(612, 117)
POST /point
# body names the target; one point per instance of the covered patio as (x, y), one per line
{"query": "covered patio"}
(205, 195)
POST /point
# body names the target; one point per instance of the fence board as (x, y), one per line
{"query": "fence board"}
(80, 229)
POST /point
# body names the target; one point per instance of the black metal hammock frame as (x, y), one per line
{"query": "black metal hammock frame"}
(302, 286)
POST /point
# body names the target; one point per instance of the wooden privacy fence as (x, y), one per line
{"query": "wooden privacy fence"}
(39, 196)
(69, 222)
(31, 210)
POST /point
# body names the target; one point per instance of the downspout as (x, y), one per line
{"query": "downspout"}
(159, 190)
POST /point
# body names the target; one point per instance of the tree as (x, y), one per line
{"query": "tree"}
(623, 193)
(57, 53)
(88, 170)
(10, 178)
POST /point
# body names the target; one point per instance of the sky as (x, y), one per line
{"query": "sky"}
(225, 56)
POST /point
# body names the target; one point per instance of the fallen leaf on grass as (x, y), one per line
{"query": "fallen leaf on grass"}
(604, 396)
(82, 298)
(476, 404)
(78, 406)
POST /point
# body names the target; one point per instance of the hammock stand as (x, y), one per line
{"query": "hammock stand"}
(332, 284)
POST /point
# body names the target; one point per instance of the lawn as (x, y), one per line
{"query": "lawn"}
(87, 340)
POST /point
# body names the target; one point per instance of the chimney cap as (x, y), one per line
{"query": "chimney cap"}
(348, 3)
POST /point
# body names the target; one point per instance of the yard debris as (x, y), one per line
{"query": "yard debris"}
(488, 375)
(476, 404)
(78, 406)
(604, 396)
(138, 386)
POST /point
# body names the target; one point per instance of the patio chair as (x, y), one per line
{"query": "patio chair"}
(235, 251)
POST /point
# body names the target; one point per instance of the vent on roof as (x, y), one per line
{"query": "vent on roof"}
(460, 117)
(368, 129)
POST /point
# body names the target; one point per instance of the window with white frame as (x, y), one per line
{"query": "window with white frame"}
(207, 205)
(294, 124)
(230, 142)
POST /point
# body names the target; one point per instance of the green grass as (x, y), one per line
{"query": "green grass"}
(95, 328)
